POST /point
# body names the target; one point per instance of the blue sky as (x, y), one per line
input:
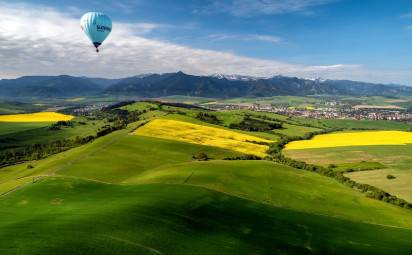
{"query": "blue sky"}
(355, 39)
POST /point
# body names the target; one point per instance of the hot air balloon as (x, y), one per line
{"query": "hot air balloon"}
(97, 26)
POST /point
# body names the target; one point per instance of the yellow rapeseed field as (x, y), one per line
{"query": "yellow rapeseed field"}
(35, 117)
(353, 139)
(204, 135)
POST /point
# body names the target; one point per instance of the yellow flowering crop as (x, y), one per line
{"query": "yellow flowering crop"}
(353, 139)
(204, 135)
(35, 117)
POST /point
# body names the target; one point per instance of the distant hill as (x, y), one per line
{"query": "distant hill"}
(52, 86)
(218, 86)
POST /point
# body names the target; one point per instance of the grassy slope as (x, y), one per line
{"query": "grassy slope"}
(16, 127)
(278, 185)
(139, 106)
(66, 216)
(130, 155)
(114, 157)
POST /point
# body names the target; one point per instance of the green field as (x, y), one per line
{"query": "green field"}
(18, 107)
(131, 194)
(278, 185)
(67, 216)
(16, 127)
(140, 106)
(368, 124)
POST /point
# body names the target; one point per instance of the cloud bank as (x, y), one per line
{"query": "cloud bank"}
(40, 40)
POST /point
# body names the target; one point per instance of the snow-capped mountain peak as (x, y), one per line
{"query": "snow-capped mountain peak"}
(235, 77)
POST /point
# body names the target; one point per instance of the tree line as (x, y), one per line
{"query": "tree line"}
(249, 123)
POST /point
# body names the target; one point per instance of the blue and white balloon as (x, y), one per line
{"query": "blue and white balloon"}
(97, 26)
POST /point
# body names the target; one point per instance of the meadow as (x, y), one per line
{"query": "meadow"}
(15, 127)
(139, 190)
(173, 219)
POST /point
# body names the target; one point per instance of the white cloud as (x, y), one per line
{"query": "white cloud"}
(261, 7)
(40, 40)
(247, 37)
(142, 28)
(406, 15)
(266, 38)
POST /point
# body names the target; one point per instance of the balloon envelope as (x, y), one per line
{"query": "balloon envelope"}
(97, 26)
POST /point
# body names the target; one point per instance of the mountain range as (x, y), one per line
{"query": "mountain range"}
(179, 83)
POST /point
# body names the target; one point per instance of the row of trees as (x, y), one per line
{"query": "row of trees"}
(244, 157)
(256, 125)
(61, 124)
(209, 118)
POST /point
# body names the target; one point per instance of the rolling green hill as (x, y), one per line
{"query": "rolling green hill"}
(69, 216)
(128, 194)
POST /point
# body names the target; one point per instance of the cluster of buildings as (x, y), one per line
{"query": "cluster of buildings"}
(329, 110)
(89, 109)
